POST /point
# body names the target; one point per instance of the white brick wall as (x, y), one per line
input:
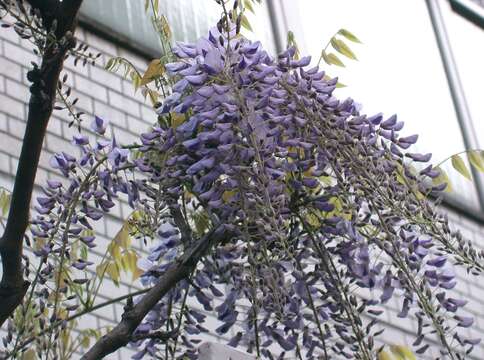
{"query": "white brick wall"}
(113, 98)
(99, 92)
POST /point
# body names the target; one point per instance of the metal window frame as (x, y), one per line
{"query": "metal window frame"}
(456, 90)
(470, 10)
(278, 14)
(279, 27)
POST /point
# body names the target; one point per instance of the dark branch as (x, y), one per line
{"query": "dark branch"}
(47, 10)
(43, 95)
(157, 335)
(182, 225)
(122, 334)
(45, 6)
(51, 10)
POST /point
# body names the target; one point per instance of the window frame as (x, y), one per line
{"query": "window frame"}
(461, 108)
(470, 10)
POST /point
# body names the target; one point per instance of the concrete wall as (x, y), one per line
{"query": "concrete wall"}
(109, 96)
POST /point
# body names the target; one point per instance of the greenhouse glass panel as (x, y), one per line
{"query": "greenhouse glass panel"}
(127, 19)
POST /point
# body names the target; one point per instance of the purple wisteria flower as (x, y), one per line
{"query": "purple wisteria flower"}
(98, 125)
(318, 202)
(306, 179)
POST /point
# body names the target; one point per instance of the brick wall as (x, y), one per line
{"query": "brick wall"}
(109, 96)
(100, 92)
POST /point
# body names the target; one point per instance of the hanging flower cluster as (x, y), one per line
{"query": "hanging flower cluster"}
(326, 208)
(326, 201)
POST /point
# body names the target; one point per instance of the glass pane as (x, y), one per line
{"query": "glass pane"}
(124, 17)
(188, 19)
(399, 70)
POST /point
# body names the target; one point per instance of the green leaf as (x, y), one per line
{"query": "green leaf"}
(176, 119)
(402, 352)
(442, 178)
(332, 59)
(384, 355)
(201, 221)
(245, 23)
(165, 27)
(476, 158)
(110, 64)
(154, 95)
(4, 202)
(85, 341)
(248, 6)
(29, 355)
(341, 47)
(84, 252)
(350, 36)
(155, 69)
(135, 80)
(291, 41)
(460, 166)
(122, 238)
(113, 271)
(101, 269)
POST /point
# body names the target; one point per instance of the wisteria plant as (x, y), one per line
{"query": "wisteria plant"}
(261, 199)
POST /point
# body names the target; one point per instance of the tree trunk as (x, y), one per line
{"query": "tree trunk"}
(43, 95)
